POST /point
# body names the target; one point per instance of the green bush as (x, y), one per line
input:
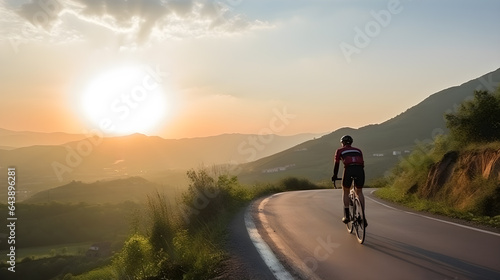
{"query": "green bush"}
(478, 120)
(293, 183)
(488, 203)
(136, 261)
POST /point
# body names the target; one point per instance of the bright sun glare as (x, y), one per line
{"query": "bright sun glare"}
(125, 100)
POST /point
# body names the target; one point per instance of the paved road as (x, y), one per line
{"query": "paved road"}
(305, 231)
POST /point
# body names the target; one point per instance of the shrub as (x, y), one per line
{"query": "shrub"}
(478, 120)
(293, 183)
(487, 204)
(136, 261)
(210, 195)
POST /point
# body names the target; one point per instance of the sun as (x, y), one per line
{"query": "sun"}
(125, 100)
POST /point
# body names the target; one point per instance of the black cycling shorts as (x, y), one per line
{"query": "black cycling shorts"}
(356, 173)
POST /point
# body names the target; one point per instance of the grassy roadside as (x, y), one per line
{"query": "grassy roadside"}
(186, 239)
(402, 186)
(436, 207)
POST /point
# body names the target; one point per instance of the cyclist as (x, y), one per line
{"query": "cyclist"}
(353, 169)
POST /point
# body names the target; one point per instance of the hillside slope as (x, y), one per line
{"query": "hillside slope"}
(467, 180)
(134, 189)
(383, 144)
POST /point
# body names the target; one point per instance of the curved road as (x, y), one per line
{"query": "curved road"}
(304, 230)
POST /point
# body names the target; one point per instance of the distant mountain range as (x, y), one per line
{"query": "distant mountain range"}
(383, 144)
(41, 167)
(10, 140)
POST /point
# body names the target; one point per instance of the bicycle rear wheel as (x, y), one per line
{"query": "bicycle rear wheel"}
(349, 225)
(359, 221)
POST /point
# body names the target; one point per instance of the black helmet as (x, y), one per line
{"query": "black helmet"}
(346, 139)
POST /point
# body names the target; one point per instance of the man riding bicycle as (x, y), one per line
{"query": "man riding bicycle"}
(353, 170)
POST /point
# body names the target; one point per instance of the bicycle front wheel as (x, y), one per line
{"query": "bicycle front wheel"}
(359, 221)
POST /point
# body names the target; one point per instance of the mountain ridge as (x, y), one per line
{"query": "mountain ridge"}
(42, 167)
(383, 144)
(11, 139)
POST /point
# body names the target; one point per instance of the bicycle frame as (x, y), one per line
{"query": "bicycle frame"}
(356, 214)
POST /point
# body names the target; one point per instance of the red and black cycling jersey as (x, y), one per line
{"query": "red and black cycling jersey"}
(349, 156)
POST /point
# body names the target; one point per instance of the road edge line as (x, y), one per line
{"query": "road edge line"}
(434, 219)
(264, 250)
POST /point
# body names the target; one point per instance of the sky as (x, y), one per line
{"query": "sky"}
(198, 68)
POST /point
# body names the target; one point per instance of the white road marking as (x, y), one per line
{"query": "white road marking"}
(434, 219)
(380, 202)
(265, 252)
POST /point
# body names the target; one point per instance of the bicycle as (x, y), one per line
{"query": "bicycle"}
(356, 215)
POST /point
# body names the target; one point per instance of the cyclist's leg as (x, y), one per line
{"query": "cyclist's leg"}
(345, 196)
(359, 182)
(346, 187)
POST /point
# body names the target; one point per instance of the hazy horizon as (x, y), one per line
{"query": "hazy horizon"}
(180, 138)
(190, 69)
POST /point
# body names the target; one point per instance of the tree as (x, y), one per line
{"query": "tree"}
(477, 120)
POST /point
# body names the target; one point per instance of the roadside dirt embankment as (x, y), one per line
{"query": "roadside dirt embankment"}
(468, 180)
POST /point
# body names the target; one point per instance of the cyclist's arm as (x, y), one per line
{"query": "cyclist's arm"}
(336, 170)
(336, 160)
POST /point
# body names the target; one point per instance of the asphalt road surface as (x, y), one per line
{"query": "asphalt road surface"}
(305, 231)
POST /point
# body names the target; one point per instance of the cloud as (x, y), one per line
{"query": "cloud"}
(140, 20)
(40, 13)
(33, 23)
